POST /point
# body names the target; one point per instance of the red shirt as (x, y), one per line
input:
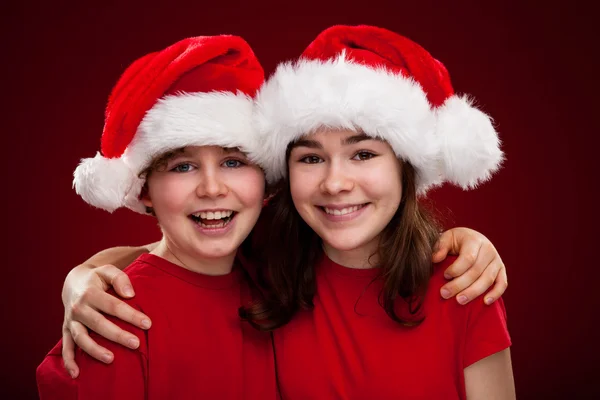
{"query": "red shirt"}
(197, 347)
(348, 348)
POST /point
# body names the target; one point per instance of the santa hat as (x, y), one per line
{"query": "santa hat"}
(196, 92)
(372, 80)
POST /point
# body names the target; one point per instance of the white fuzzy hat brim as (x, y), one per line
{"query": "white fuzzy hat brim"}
(307, 95)
(194, 119)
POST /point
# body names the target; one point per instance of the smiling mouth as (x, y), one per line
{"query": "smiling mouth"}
(213, 219)
(342, 211)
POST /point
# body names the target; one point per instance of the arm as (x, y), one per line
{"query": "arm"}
(84, 299)
(476, 269)
(486, 353)
(491, 378)
(120, 257)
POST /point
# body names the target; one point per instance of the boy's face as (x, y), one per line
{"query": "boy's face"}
(207, 199)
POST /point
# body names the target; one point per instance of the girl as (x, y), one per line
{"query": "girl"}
(175, 126)
(353, 132)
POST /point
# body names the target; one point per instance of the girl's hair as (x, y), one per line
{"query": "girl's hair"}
(292, 250)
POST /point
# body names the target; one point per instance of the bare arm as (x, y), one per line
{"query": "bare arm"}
(85, 298)
(491, 378)
(119, 257)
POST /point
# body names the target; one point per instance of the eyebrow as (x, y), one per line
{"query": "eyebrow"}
(313, 144)
(232, 150)
(359, 138)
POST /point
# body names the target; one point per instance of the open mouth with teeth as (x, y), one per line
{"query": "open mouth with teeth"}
(213, 219)
(343, 211)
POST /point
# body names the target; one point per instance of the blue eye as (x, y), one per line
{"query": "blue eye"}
(311, 160)
(363, 156)
(183, 168)
(233, 163)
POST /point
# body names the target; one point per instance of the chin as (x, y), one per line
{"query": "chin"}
(217, 252)
(345, 241)
(214, 249)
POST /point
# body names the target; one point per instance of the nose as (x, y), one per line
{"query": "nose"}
(336, 180)
(211, 184)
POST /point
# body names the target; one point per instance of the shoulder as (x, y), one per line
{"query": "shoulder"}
(436, 307)
(142, 268)
(437, 276)
(53, 381)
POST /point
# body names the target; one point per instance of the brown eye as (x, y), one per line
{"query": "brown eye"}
(311, 160)
(363, 156)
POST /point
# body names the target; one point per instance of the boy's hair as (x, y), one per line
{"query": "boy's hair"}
(159, 163)
(292, 250)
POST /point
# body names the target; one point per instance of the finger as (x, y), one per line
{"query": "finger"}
(94, 299)
(499, 287)
(469, 277)
(469, 255)
(68, 354)
(86, 343)
(481, 285)
(442, 247)
(105, 328)
(108, 304)
(118, 279)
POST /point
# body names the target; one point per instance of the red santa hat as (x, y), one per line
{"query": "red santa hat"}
(372, 80)
(195, 92)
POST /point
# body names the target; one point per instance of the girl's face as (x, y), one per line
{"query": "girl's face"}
(346, 186)
(207, 200)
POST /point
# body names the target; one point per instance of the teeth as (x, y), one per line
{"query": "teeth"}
(343, 211)
(216, 226)
(214, 215)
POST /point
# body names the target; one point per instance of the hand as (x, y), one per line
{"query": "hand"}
(84, 297)
(476, 269)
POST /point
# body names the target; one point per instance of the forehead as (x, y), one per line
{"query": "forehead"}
(199, 150)
(322, 131)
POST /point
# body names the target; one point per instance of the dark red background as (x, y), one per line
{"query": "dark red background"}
(530, 66)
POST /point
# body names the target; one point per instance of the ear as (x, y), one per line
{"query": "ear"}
(145, 196)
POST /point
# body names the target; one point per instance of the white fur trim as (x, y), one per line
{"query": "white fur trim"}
(469, 143)
(104, 182)
(304, 96)
(187, 119)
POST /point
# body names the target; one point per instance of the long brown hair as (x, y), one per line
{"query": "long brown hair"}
(292, 249)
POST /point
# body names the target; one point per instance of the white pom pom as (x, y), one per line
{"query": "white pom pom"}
(104, 182)
(469, 143)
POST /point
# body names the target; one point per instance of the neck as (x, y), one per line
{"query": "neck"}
(206, 266)
(362, 257)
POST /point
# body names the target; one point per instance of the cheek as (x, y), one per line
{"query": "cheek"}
(384, 184)
(168, 193)
(250, 187)
(303, 182)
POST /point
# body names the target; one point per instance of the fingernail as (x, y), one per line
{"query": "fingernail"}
(128, 290)
(71, 373)
(133, 343)
(462, 299)
(107, 358)
(447, 276)
(445, 293)
(489, 301)
(145, 324)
